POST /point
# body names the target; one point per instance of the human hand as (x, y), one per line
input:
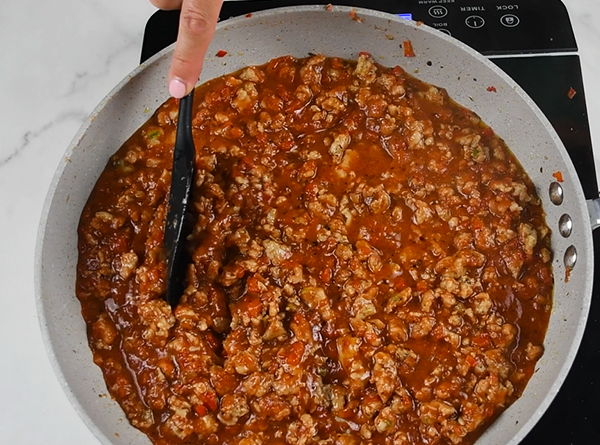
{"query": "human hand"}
(196, 29)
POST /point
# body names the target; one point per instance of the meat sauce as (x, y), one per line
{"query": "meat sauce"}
(369, 264)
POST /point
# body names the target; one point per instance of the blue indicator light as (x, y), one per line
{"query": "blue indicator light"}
(407, 16)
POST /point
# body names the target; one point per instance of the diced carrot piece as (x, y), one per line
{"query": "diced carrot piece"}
(293, 353)
(200, 410)
(408, 49)
(558, 175)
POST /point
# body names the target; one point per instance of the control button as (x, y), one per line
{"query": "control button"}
(510, 20)
(475, 21)
(445, 31)
(438, 12)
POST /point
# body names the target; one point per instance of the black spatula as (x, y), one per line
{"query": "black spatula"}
(176, 229)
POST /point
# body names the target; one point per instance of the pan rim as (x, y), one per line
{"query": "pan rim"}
(80, 135)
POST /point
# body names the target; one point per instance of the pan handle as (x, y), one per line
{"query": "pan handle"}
(594, 210)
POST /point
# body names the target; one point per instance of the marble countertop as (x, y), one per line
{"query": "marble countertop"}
(59, 59)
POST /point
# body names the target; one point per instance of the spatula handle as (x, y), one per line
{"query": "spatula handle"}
(182, 176)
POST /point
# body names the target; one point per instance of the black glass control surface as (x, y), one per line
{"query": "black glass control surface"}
(533, 42)
(489, 26)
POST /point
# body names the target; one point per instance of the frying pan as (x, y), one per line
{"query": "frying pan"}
(440, 60)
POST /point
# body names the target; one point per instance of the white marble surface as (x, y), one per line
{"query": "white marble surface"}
(58, 60)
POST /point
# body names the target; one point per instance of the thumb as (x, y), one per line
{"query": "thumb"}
(196, 29)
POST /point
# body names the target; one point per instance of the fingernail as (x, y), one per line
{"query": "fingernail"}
(177, 88)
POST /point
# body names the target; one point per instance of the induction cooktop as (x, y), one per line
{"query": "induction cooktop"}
(533, 42)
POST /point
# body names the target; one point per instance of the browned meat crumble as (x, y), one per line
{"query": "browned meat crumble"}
(370, 265)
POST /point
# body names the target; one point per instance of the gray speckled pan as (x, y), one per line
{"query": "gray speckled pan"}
(299, 31)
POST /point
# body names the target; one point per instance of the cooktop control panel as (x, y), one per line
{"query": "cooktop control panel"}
(493, 27)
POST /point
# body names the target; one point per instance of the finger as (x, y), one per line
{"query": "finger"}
(196, 29)
(167, 5)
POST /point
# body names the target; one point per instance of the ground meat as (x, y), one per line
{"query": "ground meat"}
(369, 264)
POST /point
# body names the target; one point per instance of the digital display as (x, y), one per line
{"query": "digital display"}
(406, 15)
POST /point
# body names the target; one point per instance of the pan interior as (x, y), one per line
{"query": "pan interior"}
(298, 31)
